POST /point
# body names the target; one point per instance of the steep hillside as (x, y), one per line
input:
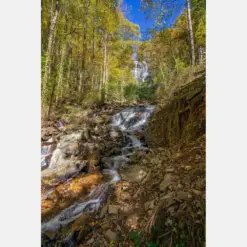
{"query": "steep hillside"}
(176, 134)
(180, 117)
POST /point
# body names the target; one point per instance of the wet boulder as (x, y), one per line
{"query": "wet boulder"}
(115, 162)
(61, 196)
(91, 153)
(66, 169)
(134, 173)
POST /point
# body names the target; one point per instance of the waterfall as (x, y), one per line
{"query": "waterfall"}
(141, 71)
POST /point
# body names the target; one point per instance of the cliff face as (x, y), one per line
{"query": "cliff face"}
(181, 118)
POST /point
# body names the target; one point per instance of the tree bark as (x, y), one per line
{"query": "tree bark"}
(192, 46)
(48, 54)
(69, 66)
(107, 76)
(84, 51)
(60, 75)
(80, 82)
(94, 27)
(105, 61)
(51, 10)
(60, 86)
(51, 99)
(121, 92)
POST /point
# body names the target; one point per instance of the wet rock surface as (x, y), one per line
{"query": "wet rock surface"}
(134, 173)
(73, 182)
(138, 191)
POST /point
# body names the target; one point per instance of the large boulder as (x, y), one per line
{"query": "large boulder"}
(72, 155)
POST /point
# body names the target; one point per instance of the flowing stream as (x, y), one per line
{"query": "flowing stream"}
(131, 123)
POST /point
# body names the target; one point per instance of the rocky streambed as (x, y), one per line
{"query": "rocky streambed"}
(79, 170)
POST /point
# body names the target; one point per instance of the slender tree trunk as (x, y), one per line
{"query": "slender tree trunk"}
(48, 53)
(201, 51)
(60, 86)
(94, 26)
(192, 46)
(107, 76)
(80, 82)
(104, 68)
(83, 60)
(68, 75)
(51, 10)
(93, 57)
(84, 51)
(121, 92)
(51, 99)
(69, 66)
(84, 47)
(60, 74)
(105, 61)
(101, 81)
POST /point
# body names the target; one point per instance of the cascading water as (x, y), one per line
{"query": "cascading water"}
(141, 71)
(130, 122)
(46, 153)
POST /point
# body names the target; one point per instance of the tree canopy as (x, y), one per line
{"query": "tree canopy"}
(86, 46)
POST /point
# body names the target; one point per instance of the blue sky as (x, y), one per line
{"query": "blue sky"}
(137, 16)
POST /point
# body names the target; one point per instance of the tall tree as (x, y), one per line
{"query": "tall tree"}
(48, 53)
(82, 45)
(190, 28)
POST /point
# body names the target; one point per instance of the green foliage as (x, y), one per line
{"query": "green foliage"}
(130, 92)
(114, 91)
(145, 92)
(179, 65)
(92, 46)
(181, 244)
(200, 34)
(136, 238)
(89, 49)
(168, 50)
(151, 245)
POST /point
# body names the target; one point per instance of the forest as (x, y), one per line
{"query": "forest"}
(123, 124)
(87, 49)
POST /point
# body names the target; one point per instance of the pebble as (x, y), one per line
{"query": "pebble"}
(90, 241)
(113, 209)
(111, 235)
(169, 170)
(196, 192)
(166, 182)
(50, 234)
(103, 211)
(182, 195)
(149, 205)
(188, 168)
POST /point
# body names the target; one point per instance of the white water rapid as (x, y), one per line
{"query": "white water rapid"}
(130, 123)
